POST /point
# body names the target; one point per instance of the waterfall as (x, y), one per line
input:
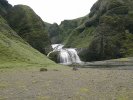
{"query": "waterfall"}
(66, 55)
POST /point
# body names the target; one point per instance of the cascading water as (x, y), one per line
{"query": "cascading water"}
(66, 55)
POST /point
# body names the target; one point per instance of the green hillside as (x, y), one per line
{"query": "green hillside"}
(106, 32)
(61, 33)
(30, 27)
(16, 52)
(4, 7)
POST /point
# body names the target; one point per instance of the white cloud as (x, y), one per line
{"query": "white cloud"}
(57, 10)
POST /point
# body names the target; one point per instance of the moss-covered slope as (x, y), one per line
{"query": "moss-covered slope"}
(61, 33)
(106, 33)
(30, 27)
(14, 51)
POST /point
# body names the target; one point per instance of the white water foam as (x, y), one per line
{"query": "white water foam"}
(67, 56)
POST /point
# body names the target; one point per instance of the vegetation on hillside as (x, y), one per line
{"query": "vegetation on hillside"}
(61, 33)
(105, 33)
(15, 51)
(30, 27)
(4, 7)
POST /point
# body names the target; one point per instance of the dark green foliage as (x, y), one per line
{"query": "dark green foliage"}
(61, 33)
(127, 47)
(30, 27)
(4, 7)
(129, 23)
(118, 10)
(66, 27)
(114, 4)
(68, 24)
(78, 39)
(55, 33)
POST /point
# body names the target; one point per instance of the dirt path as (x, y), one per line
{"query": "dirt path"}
(66, 84)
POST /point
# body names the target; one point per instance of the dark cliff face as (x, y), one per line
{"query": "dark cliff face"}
(30, 27)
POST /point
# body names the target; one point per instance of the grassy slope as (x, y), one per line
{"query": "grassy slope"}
(16, 52)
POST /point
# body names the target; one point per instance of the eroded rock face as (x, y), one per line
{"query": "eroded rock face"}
(54, 56)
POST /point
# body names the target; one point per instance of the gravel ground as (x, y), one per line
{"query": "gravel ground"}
(66, 84)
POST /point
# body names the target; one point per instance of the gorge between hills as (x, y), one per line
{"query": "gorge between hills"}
(87, 58)
(105, 33)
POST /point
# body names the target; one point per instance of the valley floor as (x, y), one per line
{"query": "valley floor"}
(66, 84)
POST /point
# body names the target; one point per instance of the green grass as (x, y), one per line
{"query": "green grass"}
(13, 51)
(16, 52)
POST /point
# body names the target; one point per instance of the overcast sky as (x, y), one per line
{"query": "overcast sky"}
(57, 10)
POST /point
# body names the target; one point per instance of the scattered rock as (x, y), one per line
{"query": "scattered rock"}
(75, 69)
(55, 70)
(43, 69)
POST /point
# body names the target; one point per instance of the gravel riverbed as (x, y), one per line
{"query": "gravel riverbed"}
(66, 84)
